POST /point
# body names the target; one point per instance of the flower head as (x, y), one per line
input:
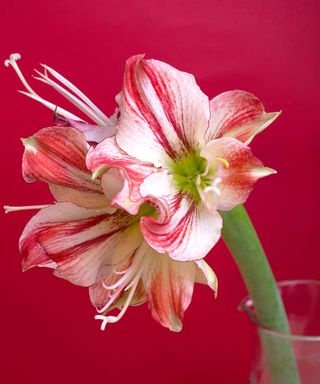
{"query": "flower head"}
(189, 154)
(137, 198)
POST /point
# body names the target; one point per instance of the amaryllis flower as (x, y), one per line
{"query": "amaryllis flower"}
(93, 245)
(188, 153)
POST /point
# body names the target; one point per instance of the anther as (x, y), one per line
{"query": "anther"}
(12, 58)
(223, 161)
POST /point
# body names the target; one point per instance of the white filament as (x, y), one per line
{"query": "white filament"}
(73, 99)
(78, 98)
(76, 91)
(10, 208)
(114, 319)
(128, 282)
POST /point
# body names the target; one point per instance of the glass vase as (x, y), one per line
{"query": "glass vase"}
(301, 299)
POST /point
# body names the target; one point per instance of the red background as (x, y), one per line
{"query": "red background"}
(270, 48)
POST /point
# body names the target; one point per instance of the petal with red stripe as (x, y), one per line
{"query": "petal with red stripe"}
(56, 155)
(121, 184)
(82, 244)
(163, 112)
(169, 287)
(238, 114)
(188, 232)
(238, 177)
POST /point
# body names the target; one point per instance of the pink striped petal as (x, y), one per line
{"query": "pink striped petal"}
(238, 114)
(188, 232)
(57, 156)
(163, 112)
(169, 287)
(238, 179)
(131, 171)
(82, 244)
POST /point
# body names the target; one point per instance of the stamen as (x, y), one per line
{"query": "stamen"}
(10, 208)
(216, 181)
(213, 189)
(77, 92)
(120, 272)
(214, 186)
(129, 279)
(130, 272)
(12, 61)
(206, 170)
(223, 161)
(52, 107)
(114, 319)
(74, 100)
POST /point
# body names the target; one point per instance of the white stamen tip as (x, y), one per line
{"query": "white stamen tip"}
(12, 58)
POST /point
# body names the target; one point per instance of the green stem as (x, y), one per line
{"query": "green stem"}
(246, 249)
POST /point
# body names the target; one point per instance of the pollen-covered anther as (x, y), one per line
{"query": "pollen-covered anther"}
(12, 59)
(223, 161)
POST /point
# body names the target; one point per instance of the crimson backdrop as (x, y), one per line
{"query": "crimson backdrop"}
(269, 48)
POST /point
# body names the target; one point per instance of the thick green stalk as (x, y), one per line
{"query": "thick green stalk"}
(246, 249)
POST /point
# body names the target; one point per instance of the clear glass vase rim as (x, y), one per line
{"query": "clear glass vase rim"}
(246, 305)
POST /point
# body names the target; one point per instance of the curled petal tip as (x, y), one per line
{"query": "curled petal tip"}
(95, 174)
(270, 171)
(262, 172)
(98, 172)
(273, 116)
(30, 143)
(177, 327)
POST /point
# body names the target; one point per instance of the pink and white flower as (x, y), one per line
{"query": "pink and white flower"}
(187, 154)
(137, 211)
(93, 245)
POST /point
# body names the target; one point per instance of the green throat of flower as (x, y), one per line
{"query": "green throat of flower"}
(190, 174)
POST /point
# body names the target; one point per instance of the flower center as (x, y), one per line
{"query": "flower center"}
(192, 173)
